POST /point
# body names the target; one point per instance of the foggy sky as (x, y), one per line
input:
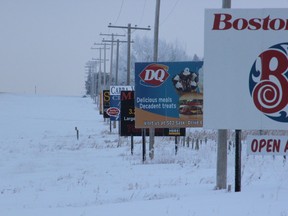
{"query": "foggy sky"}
(44, 45)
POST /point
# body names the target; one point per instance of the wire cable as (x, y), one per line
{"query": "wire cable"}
(142, 15)
(165, 19)
(119, 12)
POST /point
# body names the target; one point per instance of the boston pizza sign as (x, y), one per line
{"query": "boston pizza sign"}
(268, 86)
(226, 21)
(246, 69)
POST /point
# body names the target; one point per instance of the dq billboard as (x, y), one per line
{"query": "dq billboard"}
(168, 94)
(246, 82)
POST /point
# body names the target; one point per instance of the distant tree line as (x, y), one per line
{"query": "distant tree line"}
(142, 51)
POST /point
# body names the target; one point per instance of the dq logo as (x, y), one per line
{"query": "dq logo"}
(268, 82)
(154, 75)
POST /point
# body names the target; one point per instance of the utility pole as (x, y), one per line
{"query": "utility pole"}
(100, 70)
(226, 3)
(104, 48)
(89, 77)
(92, 66)
(221, 180)
(117, 58)
(110, 78)
(117, 62)
(155, 59)
(111, 57)
(129, 28)
(105, 74)
(97, 75)
(156, 30)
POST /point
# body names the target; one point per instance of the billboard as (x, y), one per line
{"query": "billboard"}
(114, 110)
(168, 94)
(246, 86)
(128, 120)
(106, 103)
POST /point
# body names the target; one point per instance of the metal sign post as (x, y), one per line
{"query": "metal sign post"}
(237, 160)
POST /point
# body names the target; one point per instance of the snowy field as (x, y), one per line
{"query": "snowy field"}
(45, 170)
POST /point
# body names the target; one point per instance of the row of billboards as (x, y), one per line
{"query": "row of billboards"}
(168, 95)
(122, 108)
(246, 81)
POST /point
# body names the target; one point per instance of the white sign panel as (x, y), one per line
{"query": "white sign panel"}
(245, 69)
(267, 145)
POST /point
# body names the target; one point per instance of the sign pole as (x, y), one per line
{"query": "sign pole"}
(221, 172)
(176, 145)
(110, 125)
(237, 160)
(155, 58)
(143, 145)
(132, 145)
(221, 175)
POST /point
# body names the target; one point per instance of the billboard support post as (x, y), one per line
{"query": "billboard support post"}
(221, 176)
(222, 142)
(155, 58)
(143, 145)
(237, 160)
(132, 145)
(110, 123)
(176, 145)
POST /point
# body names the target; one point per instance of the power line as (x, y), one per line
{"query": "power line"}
(119, 11)
(111, 59)
(143, 10)
(104, 48)
(129, 28)
(117, 57)
(165, 19)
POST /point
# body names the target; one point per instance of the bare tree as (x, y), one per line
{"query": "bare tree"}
(142, 51)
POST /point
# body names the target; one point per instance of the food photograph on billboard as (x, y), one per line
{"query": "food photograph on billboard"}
(169, 94)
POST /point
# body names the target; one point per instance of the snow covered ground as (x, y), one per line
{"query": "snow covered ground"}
(45, 170)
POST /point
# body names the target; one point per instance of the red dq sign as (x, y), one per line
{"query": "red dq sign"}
(154, 75)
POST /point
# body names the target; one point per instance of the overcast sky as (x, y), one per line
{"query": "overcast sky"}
(45, 44)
